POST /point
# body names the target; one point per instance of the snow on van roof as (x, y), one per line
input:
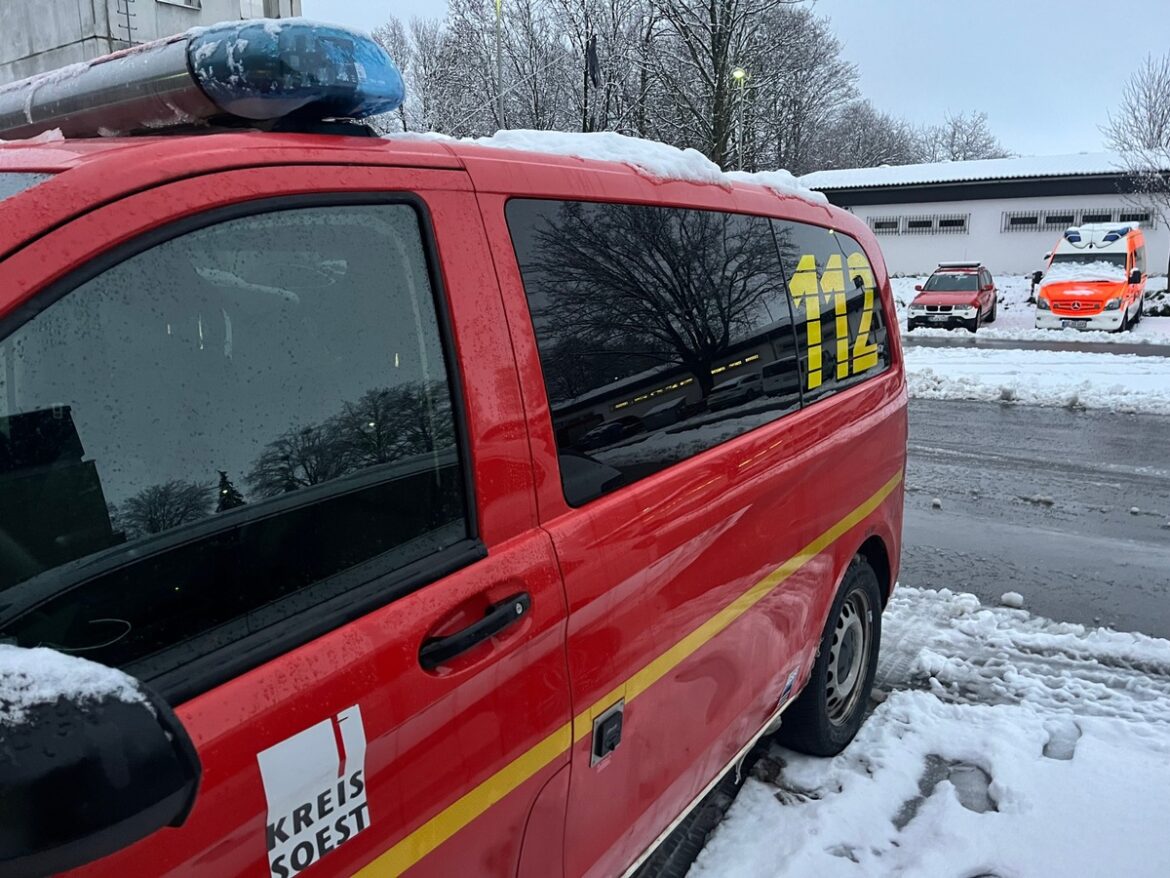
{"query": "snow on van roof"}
(659, 161)
(1078, 165)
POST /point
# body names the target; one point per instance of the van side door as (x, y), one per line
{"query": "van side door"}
(265, 452)
(698, 550)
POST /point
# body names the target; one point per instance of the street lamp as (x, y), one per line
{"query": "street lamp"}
(741, 77)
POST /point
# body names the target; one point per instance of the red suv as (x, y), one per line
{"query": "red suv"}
(299, 430)
(956, 294)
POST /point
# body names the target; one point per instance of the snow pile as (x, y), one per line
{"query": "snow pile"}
(1008, 745)
(659, 161)
(29, 677)
(1066, 272)
(53, 135)
(1073, 379)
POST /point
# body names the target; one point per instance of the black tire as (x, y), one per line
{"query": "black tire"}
(1141, 307)
(677, 852)
(974, 324)
(1124, 320)
(822, 722)
(994, 310)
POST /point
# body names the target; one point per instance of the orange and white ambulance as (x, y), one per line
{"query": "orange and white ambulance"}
(1096, 279)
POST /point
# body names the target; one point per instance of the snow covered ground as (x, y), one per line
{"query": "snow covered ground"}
(1016, 318)
(1074, 379)
(1004, 746)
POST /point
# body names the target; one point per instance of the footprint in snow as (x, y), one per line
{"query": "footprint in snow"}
(1063, 735)
(971, 783)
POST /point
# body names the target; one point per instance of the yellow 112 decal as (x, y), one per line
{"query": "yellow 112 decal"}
(808, 290)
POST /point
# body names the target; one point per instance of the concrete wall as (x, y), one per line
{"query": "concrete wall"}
(1019, 250)
(41, 35)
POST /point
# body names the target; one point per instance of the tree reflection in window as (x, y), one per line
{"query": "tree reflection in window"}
(653, 284)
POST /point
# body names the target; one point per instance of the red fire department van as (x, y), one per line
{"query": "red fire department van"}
(386, 469)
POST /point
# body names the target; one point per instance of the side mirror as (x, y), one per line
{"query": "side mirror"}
(1047, 256)
(1037, 276)
(918, 288)
(1135, 276)
(102, 766)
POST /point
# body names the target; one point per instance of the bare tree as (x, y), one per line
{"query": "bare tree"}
(390, 423)
(1140, 131)
(862, 137)
(799, 88)
(161, 507)
(299, 458)
(392, 37)
(711, 38)
(961, 138)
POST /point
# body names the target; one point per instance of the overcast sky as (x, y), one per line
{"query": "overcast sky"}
(1045, 71)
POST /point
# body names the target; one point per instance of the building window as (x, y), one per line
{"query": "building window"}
(189, 4)
(1017, 221)
(1141, 217)
(954, 224)
(885, 225)
(1099, 216)
(1058, 222)
(919, 225)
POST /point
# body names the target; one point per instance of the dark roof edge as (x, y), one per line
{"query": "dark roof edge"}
(976, 190)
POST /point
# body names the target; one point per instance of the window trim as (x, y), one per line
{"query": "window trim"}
(228, 662)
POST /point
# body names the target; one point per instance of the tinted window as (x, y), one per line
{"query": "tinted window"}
(222, 431)
(662, 332)
(838, 311)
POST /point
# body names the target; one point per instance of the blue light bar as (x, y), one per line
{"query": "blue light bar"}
(246, 72)
(275, 69)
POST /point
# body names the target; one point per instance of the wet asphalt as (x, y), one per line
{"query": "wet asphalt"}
(1069, 508)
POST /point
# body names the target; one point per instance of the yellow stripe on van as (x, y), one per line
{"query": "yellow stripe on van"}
(459, 814)
(455, 816)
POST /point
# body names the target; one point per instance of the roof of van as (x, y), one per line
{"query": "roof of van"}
(54, 154)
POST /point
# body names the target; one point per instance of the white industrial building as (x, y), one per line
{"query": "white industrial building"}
(41, 35)
(1007, 213)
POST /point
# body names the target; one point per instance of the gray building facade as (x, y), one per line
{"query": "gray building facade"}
(41, 35)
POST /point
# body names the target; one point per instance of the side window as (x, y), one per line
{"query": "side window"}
(662, 332)
(231, 428)
(838, 312)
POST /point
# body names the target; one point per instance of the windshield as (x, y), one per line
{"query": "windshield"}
(1116, 259)
(952, 283)
(1086, 267)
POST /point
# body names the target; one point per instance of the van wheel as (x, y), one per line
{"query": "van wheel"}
(827, 714)
(1124, 320)
(1137, 318)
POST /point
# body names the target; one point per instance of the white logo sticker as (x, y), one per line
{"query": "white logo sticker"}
(315, 783)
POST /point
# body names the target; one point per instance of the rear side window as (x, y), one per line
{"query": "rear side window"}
(838, 310)
(231, 428)
(662, 332)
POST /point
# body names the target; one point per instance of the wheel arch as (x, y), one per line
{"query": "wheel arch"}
(875, 552)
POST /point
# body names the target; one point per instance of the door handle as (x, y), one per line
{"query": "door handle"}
(436, 650)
